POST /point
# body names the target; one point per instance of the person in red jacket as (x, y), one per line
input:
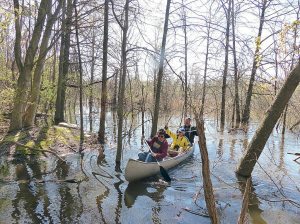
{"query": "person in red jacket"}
(159, 147)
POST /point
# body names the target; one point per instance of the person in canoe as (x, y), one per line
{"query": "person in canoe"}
(190, 131)
(180, 141)
(159, 147)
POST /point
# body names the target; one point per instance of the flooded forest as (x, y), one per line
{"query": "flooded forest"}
(84, 84)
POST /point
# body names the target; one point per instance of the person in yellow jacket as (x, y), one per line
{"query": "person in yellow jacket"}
(180, 141)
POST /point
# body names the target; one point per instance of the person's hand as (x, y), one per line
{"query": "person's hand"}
(153, 154)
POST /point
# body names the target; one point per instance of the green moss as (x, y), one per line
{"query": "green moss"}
(16, 137)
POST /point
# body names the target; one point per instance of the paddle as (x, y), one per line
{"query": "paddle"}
(163, 172)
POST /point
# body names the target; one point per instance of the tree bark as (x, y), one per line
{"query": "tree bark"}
(243, 214)
(122, 84)
(25, 69)
(262, 134)
(205, 69)
(225, 72)
(37, 78)
(63, 63)
(101, 134)
(160, 71)
(91, 97)
(80, 77)
(236, 78)
(185, 111)
(207, 185)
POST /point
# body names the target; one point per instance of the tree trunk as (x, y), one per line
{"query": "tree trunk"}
(261, 136)
(207, 184)
(236, 78)
(37, 78)
(122, 84)
(185, 111)
(115, 94)
(101, 134)
(91, 97)
(80, 78)
(63, 63)
(206, 62)
(25, 69)
(256, 62)
(225, 72)
(160, 71)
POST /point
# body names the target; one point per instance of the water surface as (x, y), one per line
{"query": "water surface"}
(88, 188)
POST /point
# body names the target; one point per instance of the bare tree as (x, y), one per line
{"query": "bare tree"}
(63, 61)
(101, 134)
(236, 110)
(38, 71)
(255, 64)
(225, 72)
(122, 80)
(25, 68)
(160, 71)
(262, 134)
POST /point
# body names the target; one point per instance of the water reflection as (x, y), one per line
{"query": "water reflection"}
(136, 189)
(254, 210)
(281, 154)
(37, 191)
(231, 149)
(220, 148)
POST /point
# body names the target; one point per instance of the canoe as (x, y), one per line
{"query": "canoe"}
(136, 170)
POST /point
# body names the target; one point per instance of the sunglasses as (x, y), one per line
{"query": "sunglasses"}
(161, 136)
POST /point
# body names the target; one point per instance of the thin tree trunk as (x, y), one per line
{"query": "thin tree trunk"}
(207, 184)
(37, 78)
(236, 78)
(243, 214)
(225, 72)
(205, 69)
(160, 71)
(80, 77)
(101, 134)
(262, 134)
(185, 63)
(122, 85)
(255, 64)
(63, 63)
(91, 97)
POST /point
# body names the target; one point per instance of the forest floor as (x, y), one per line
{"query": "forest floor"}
(58, 140)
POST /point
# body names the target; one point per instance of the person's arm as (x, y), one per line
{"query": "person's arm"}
(163, 151)
(169, 132)
(150, 143)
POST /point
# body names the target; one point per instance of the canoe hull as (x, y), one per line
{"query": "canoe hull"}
(136, 170)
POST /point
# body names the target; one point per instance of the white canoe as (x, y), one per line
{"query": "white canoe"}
(136, 170)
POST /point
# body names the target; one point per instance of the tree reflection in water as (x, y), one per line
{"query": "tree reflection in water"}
(254, 209)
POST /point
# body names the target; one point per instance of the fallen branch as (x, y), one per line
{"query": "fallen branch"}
(294, 153)
(39, 150)
(204, 214)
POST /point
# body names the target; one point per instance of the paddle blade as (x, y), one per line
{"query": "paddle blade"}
(164, 174)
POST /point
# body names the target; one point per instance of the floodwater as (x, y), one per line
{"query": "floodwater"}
(88, 188)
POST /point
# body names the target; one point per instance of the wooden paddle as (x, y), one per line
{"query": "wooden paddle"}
(163, 172)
